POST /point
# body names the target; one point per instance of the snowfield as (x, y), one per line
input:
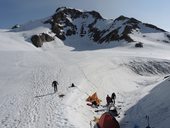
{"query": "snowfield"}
(136, 75)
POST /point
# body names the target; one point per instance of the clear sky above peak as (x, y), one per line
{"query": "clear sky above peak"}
(149, 11)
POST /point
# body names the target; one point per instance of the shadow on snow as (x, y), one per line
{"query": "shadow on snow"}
(44, 95)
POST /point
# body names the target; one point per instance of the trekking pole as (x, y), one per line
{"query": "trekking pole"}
(147, 117)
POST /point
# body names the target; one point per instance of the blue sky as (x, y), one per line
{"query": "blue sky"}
(150, 11)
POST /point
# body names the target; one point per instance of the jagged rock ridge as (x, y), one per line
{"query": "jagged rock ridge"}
(67, 22)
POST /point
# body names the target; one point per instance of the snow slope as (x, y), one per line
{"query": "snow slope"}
(154, 104)
(26, 95)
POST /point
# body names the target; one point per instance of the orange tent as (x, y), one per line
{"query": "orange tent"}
(107, 121)
(93, 98)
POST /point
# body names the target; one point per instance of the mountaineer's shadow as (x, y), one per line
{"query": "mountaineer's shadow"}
(44, 95)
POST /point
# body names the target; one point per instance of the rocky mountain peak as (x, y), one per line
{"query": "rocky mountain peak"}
(64, 12)
(68, 22)
(133, 21)
(74, 13)
(121, 18)
(95, 14)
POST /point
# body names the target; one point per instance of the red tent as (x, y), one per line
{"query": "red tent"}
(107, 121)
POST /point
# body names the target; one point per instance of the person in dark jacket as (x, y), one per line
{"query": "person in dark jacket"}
(54, 84)
(108, 100)
(113, 97)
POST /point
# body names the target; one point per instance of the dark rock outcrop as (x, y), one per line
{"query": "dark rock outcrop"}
(38, 40)
(15, 26)
(139, 45)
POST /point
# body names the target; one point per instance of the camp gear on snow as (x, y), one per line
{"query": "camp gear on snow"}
(107, 121)
(96, 119)
(114, 112)
(94, 99)
(111, 106)
(100, 110)
(72, 85)
(93, 105)
(61, 95)
(89, 104)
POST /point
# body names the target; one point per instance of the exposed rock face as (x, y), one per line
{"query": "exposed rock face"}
(168, 36)
(67, 22)
(38, 40)
(154, 27)
(139, 45)
(15, 26)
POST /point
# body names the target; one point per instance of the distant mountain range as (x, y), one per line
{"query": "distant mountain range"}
(73, 23)
(68, 22)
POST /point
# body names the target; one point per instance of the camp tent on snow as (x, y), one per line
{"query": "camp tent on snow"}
(107, 120)
(94, 99)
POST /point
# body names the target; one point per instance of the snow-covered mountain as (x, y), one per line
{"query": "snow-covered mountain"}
(93, 53)
(71, 24)
(68, 22)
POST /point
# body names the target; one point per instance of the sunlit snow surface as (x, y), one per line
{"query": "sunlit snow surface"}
(26, 95)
